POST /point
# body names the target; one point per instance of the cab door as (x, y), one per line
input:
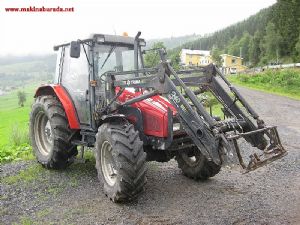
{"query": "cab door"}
(75, 79)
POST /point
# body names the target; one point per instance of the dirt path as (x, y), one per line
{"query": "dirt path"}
(270, 195)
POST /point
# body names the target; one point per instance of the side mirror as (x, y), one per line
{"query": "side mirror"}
(75, 49)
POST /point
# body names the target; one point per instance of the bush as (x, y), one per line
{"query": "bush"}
(9, 153)
(284, 81)
(243, 78)
(21, 97)
(19, 146)
(19, 135)
(281, 78)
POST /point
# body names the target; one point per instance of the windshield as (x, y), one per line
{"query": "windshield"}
(114, 58)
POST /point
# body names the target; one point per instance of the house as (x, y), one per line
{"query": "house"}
(232, 64)
(190, 57)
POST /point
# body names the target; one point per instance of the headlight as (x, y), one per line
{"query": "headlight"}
(176, 126)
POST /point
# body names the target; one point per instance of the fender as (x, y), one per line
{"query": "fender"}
(134, 116)
(65, 100)
(113, 117)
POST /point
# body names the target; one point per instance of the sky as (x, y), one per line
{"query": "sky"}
(37, 32)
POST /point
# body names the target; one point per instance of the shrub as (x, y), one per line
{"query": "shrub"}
(284, 81)
(21, 97)
(19, 146)
(19, 135)
(9, 153)
(243, 78)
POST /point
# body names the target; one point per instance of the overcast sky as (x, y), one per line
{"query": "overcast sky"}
(31, 33)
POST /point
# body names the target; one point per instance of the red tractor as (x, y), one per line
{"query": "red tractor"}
(104, 97)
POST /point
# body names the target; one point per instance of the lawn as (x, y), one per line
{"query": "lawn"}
(13, 122)
(11, 114)
(284, 82)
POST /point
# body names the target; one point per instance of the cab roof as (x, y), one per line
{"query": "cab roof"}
(108, 39)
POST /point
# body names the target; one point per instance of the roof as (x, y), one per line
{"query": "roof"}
(107, 38)
(195, 52)
(233, 56)
(113, 38)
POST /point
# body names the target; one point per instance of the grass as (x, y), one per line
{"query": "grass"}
(284, 82)
(14, 153)
(11, 113)
(37, 172)
(208, 100)
(43, 213)
(28, 175)
(14, 141)
(19, 135)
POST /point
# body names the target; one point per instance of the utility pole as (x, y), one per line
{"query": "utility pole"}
(241, 52)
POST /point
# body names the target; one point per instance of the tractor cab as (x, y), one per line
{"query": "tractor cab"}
(83, 67)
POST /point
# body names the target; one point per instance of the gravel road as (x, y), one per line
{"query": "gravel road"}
(269, 195)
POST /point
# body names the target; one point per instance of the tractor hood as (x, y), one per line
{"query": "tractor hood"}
(154, 111)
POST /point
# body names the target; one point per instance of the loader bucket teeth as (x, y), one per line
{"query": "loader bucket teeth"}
(265, 158)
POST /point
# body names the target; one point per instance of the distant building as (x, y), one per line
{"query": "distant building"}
(190, 57)
(232, 64)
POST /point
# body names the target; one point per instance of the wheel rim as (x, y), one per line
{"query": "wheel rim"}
(108, 164)
(43, 133)
(192, 160)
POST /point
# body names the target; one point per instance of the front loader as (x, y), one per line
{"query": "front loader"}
(103, 97)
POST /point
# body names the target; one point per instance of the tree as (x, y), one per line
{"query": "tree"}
(271, 42)
(244, 44)
(297, 47)
(234, 47)
(21, 97)
(175, 60)
(152, 57)
(215, 53)
(287, 19)
(254, 48)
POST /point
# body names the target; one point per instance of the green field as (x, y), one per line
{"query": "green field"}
(284, 82)
(14, 124)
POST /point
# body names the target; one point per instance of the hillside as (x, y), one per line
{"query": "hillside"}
(16, 70)
(271, 35)
(173, 42)
(22, 70)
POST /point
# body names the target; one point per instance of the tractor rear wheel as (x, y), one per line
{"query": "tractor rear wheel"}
(196, 166)
(120, 161)
(49, 133)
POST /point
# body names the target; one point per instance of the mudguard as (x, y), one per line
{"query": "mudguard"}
(64, 98)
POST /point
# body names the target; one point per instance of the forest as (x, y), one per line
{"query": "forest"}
(272, 36)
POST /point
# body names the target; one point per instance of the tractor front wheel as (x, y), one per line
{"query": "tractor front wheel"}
(120, 161)
(195, 165)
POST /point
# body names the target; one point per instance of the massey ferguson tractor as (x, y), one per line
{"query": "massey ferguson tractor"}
(104, 98)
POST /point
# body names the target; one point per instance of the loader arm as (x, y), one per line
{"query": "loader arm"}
(215, 139)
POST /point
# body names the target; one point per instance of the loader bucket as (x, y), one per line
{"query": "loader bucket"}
(271, 153)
